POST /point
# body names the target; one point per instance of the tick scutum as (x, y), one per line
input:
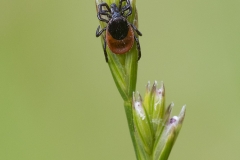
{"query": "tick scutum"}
(118, 28)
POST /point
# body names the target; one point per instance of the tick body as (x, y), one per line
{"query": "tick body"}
(120, 34)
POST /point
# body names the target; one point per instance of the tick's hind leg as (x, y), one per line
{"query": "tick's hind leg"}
(104, 50)
(98, 33)
(135, 28)
(138, 47)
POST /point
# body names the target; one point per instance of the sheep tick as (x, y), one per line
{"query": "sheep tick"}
(120, 34)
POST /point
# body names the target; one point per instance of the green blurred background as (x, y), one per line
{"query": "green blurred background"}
(58, 100)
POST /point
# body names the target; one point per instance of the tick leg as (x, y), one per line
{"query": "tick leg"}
(104, 5)
(103, 12)
(135, 28)
(125, 8)
(98, 33)
(138, 47)
(137, 41)
(105, 52)
(120, 4)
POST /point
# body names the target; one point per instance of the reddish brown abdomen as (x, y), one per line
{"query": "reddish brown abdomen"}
(120, 46)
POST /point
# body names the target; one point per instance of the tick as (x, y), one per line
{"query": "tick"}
(120, 34)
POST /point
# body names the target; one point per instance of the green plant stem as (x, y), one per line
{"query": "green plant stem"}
(128, 110)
